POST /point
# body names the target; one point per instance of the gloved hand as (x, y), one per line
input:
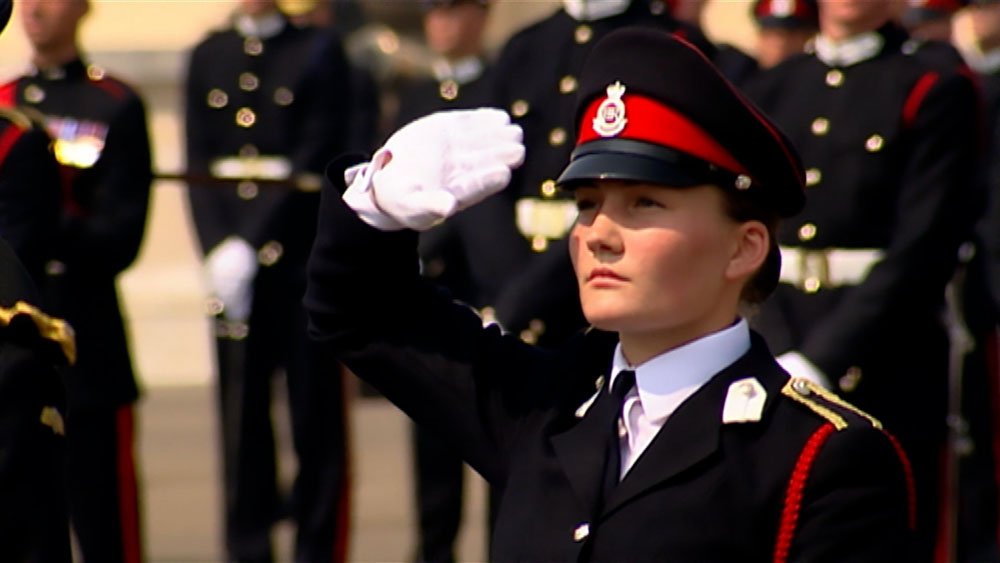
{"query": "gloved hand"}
(434, 167)
(230, 268)
(798, 365)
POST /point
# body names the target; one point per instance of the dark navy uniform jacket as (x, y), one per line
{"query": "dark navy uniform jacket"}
(889, 145)
(702, 491)
(98, 127)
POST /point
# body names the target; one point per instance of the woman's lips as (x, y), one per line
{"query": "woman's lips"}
(605, 274)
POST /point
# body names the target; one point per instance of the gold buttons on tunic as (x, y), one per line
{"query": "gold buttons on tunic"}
(448, 89)
(874, 143)
(270, 253)
(811, 284)
(213, 306)
(834, 78)
(283, 96)
(519, 108)
(820, 126)
(801, 387)
(557, 137)
(850, 380)
(217, 98)
(549, 188)
(567, 85)
(539, 244)
(583, 34)
(95, 73)
(245, 117)
(807, 232)
(813, 176)
(34, 94)
(581, 532)
(249, 81)
(253, 46)
(247, 190)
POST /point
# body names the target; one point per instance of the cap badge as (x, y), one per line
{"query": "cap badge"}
(783, 8)
(610, 119)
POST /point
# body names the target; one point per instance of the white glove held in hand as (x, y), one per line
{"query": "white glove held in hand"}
(231, 267)
(434, 167)
(798, 365)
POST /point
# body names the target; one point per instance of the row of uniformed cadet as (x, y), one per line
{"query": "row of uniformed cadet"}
(268, 101)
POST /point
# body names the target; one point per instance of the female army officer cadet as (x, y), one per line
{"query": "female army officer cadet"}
(667, 432)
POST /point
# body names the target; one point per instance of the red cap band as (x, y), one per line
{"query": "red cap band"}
(653, 122)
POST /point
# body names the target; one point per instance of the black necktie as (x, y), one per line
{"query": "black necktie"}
(624, 382)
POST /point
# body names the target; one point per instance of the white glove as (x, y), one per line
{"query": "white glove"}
(230, 268)
(434, 167)
(799, 366)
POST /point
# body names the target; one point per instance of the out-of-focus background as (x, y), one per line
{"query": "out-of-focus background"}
(146, 43)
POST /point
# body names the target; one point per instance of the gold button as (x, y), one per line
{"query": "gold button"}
(599, 382)
(448, 89)
(34, 94)
(581, 532)
(811, 285)
(807, 232)
(622, 429)
(249, 150)
(529, 337)
(834, 78)
(519, 108)
(557, 137)
(850, 380)
(743, 182)
(820, 126)
(910, 47)
(283, 96)
(249, 81)
(549, 188)
(567, 85)
(813, 176)
(213, 306)
(217, 98)
(270, 253)
(245, 117)
(583, 34)
(537, 326)
(95, 73)
(253, 46)
(874, 143)
(539, 243)
(801, 387)
(247, 190)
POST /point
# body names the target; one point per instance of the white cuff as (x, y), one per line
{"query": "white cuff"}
(799, 366)
(360, 196)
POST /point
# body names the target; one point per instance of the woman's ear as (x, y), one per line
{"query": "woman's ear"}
(752, 243)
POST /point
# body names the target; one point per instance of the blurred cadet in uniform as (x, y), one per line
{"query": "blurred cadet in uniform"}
(930, 19)
(98, 127)
(889, 142)
(461, 254)
(267, 104)
(536, 79)
(783, 28)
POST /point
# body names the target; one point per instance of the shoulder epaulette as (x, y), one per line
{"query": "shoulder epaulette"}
(49, 328)
(824, 403)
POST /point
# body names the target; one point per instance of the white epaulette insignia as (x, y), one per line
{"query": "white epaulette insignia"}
(744, 401)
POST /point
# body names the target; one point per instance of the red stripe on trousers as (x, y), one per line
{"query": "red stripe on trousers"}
(128, 504)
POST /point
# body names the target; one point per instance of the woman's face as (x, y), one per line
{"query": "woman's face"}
(655, 260)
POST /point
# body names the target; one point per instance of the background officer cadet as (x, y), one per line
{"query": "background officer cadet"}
(668, 431)
(536, 78)
(269, 102)
(889, 143)
(783, 28)
(461, 254)
(98, 126)
(930, 19)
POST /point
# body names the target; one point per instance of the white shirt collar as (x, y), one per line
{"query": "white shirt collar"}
(264, 27)
(667, 380)
(850, 51)
(590, 10)
(463, 70)
(983, 63)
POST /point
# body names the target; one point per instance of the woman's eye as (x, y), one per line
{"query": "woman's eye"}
(647, 202)
(585, 205)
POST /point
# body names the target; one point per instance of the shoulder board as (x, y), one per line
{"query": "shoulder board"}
(49, 328)
(824, 403)
(17, 117)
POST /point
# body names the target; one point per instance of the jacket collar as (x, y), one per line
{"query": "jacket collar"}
(592, 10)
(860, 48)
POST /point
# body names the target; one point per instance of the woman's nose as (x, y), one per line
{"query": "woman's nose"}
(603, 235)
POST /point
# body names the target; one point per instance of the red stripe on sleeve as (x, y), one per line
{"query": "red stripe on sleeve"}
(916, 97)
(7, 140)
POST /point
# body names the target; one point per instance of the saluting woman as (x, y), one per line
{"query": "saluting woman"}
(666, 432)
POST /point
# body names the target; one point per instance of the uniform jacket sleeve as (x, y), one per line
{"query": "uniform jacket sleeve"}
(110, 234)
(929, 224)
(427, 354)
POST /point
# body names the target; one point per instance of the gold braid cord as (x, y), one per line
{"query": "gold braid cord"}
(49, 328)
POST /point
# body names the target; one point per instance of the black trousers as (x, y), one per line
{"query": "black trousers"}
(103, 496)
(276, 339)
(438, 472)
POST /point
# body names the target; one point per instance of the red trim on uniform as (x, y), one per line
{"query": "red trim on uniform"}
(911, 483)
(7, 140)
(128, 504)
(8, 94)
(111, 87)
(796, 485)
(650, 121)
(680, 33)
(916, 97)
(343, 514)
